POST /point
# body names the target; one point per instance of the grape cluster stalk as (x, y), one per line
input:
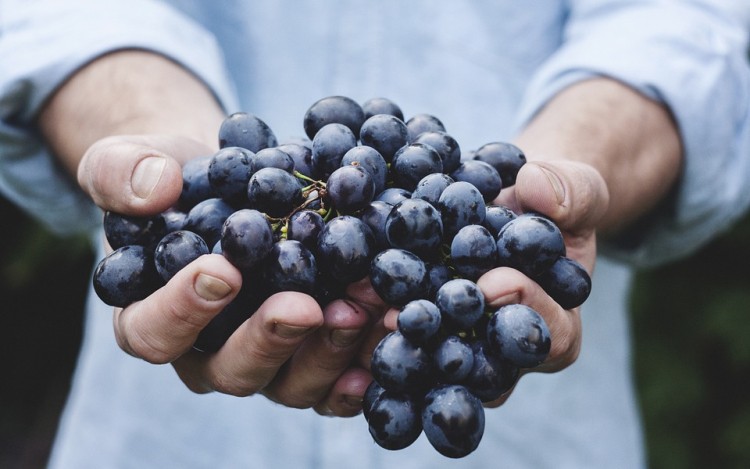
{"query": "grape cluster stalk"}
(366, 194)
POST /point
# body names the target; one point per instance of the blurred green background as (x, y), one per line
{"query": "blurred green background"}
(691, 320)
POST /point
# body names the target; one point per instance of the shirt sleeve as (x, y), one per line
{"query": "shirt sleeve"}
(42, 43)
(692, 56)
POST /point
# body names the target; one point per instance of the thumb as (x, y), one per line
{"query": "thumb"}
(572, 194)
(136, 175)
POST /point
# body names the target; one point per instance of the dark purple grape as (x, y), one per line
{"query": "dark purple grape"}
(305, 226)
(567, 282)
(453, 420)
(385, 133)
(346, 247)
(290, 266)
(412, 163)
(333, 110)
(393, 195)
(350, 189)
(229, 172)
(491, 376)
(328, 289)
(452, 360)
(206, 219)
(415, 226)
(373, 391)
(123, 230)
(461, 304)
(195, 184)
(329, 147)
(506, 158)
(371, 161)
(399, 365)
(375, 106)
(174, 219)
(419, 321)
(473, 252)
(246, 238)
(446, 146)
(176, 250)
(497, 216)
(297, 140)
(126, 275)
(518, 334)
(398, 276)
(480, 174)
(423, 123)
(460, 204)
(274, 191)
(273, 158)
(302, 157)
(395, 421)
(374, 216)
(245, 130)
(437, 275)
(531, 244)
(430, 187)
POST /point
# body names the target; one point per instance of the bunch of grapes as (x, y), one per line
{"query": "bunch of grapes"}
(366, 194)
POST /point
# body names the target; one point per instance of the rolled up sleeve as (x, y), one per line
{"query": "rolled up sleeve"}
(42, 43)
(691, 56)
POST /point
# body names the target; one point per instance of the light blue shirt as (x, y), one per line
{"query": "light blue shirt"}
(485, 68)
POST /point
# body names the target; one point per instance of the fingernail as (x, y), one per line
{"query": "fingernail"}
(556, 184)
(211, 288)
(146, 175)
(290, 332)
(353, 401)
(345, 337)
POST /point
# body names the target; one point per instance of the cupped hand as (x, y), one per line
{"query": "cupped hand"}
(289, 350)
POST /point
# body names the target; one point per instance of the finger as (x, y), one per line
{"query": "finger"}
(345, 398)
(165, 325)
(374, 335)
(364, 295)
(255, 352)
(572, 194)
(503, 286)
(136, 175)
(322, 358)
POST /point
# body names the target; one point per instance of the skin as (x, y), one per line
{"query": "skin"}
(601, 156)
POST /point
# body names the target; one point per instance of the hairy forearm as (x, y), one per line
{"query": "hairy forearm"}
(128, 92)
(632, 141)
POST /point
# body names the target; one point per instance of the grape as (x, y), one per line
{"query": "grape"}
(246, 238)
(399, 365)
(395, 421)
(517, 333)
(453, 359)
(423, 123)
(460, 204)
(305, 226)
(437, 276)
(453, 420)
(506, 158)
(473, 252)
(567, 282)
(381, 106)
(446, 146)
(373, 391)
(497, 216)
(393, 195)
(176, 250)
(371, 161)
(480, 175)
(229, 172)
(195, 184)
(461, 303)
(333, 109)
(430, 187)
(531, 244)
(123, 230)
(274, 191)
(419, 321)
(245, 130)
(350, 189)
(385, 133)
(329, 147)
(206, 219)
(414, 225)
(346, 247)
(273, 158)
(126, 275)
(302, 157)
(374, 216)
(490, 376)
(174, 219)
(398, 276)
(412, 163)
(290, 266)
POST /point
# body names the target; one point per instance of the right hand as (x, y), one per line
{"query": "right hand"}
(290, 350)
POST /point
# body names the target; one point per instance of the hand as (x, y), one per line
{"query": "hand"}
(289, 350)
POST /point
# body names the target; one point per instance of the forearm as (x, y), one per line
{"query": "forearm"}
(128, 92)
(631, 140)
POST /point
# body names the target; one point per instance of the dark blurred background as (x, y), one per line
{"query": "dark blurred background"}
(691, 320)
